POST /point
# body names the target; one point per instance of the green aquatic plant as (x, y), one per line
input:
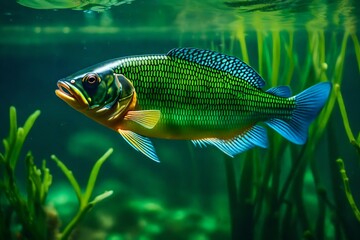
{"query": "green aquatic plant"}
(349, 133)
(85, 205)
(348, 193)
(280, 193)
(357, 48)
(356, 144)
(30, 211)
(29, 217)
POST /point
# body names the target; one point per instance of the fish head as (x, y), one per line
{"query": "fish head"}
(99, 93)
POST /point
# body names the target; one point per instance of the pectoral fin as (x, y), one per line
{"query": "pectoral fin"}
(140, 143)
(146, 118)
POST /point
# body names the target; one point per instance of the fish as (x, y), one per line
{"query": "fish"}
(191, 94)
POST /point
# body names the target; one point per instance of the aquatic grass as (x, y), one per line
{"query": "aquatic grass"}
(291, 58)
(349, 133)
(17, 136)
(321, 122)
(347, 189)
(267, 204)
(317, 48)
(29, 210)
(240, 35)
(276, 57)
(357, 48)
(266, 195)
(355, 143)
(34, 219)
(260, 46)
(318, 126)
(85, 205)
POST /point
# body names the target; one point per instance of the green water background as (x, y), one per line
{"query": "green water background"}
(38, 47)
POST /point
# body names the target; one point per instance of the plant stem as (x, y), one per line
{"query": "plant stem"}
(357, 48)
(94, 173)
(244, 52)
(349, 133)
(276, 56)
(84, 204)
(233, 197)
(69, 176)
(78, 217)
(348, 193)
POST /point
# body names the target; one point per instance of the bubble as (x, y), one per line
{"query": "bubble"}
(324, 66)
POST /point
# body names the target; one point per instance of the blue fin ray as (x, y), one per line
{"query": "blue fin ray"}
(308, 105)
(281, 91)
(256, 136)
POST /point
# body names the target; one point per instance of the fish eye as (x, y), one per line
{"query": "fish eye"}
(91, 80)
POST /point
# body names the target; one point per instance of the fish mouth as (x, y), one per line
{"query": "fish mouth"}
(71, 95)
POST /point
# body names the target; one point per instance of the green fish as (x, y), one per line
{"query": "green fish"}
(191, 94)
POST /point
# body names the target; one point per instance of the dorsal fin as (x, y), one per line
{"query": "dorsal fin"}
(221, 62)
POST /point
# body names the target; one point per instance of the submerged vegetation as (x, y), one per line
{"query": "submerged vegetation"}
(280, 194)
(28, 217)
(355, 143)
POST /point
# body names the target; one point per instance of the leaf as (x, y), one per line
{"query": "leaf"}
(101, 197)
(69, 176)
(357, 48)
(94, 173)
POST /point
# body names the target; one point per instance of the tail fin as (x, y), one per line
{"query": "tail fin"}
(308, 105)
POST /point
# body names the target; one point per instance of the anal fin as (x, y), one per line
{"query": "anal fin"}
(256, 136)
(140, 143)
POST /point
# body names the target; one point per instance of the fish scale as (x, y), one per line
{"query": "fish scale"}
(198, 95)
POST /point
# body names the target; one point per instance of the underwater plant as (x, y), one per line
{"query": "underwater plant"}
(28, 217)
(349, 133)
(348, 193)
(355, 143)
(280, 194)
